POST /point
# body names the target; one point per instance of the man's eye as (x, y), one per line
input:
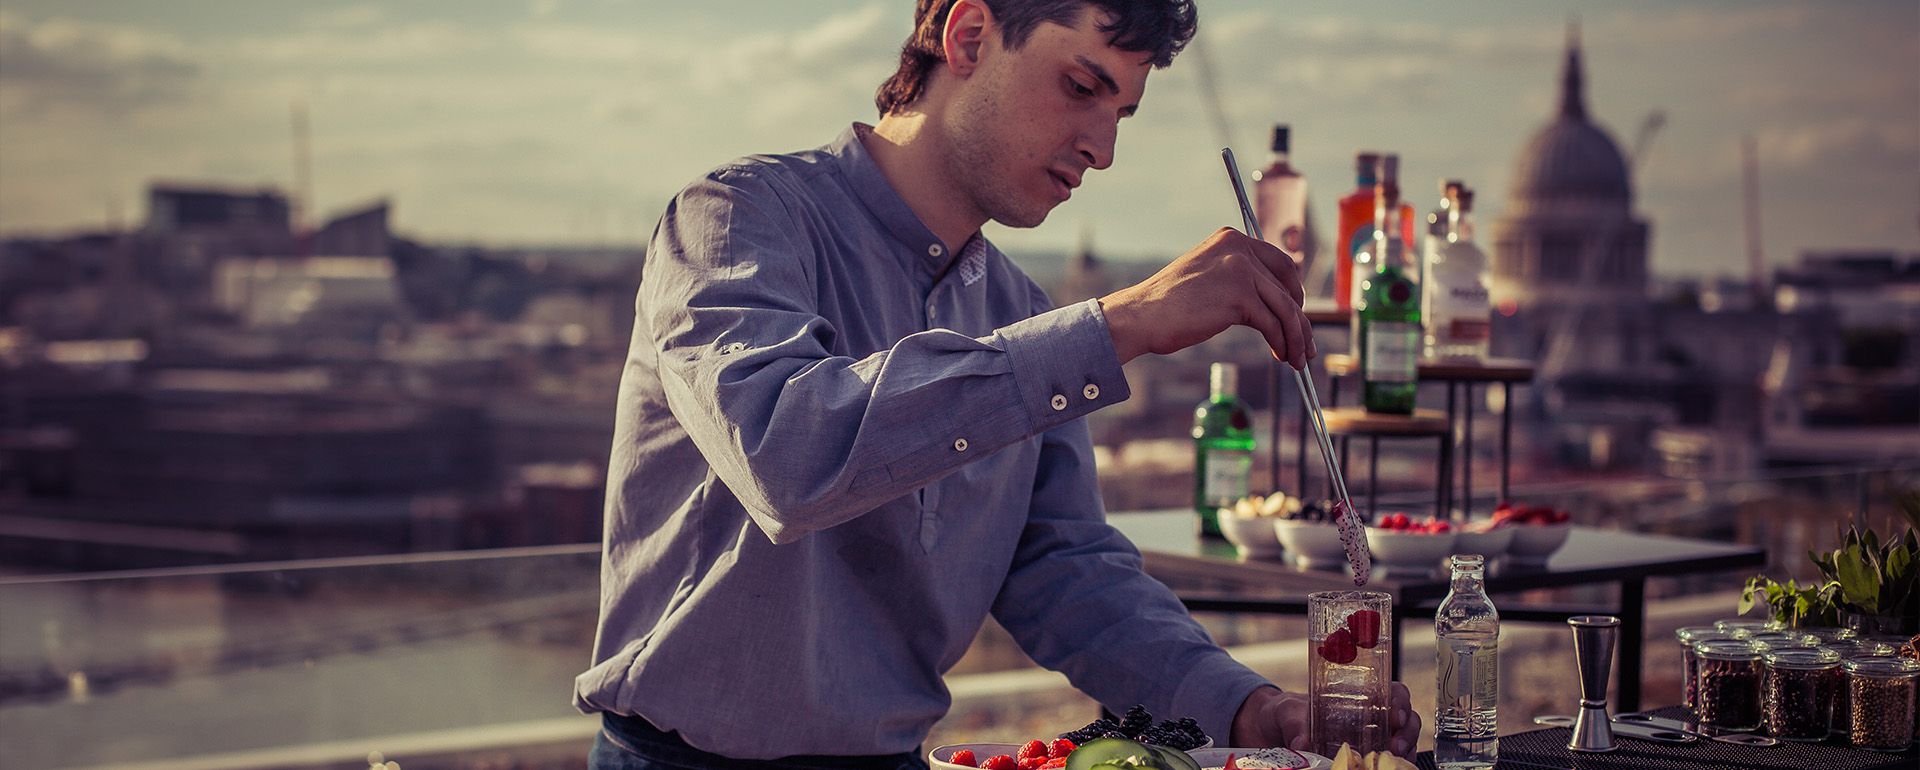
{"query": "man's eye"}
(1077, 89)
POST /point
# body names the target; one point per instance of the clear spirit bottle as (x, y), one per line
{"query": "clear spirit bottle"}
(1467, 665)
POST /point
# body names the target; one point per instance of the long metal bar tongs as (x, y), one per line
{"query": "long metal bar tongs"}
(1352, 534)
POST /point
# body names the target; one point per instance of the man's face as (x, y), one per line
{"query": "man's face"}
(1028, 123)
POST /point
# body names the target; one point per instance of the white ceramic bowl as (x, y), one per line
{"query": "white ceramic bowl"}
(1218, 757)
(939, 756)
(1409, 553)
(1491, 544)
(1253, 535)
(1535, 543)
(1312, 544)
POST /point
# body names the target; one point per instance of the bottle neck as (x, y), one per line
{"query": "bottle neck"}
(1223, 381)
(1459, 226)
(1473, 580)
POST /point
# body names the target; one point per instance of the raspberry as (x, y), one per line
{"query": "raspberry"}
(1031, 750)
(1000, 762)
(1060, 749)
(1365, 627)
(1031, 763)
(964, 758)
(1056, 762)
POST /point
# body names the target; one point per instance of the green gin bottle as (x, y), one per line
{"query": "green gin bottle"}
(1222, 448)
(1387, 326)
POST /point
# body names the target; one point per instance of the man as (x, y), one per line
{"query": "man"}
(850, 428)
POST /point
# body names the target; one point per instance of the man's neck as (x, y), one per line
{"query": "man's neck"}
(909, 153)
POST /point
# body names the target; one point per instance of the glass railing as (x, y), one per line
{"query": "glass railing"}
(317, 663)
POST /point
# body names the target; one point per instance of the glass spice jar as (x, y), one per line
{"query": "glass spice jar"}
(1797, 693)
(1689, 636)
(1749, 625)
(1850, 649)
(1881, 691)
(1728, 684)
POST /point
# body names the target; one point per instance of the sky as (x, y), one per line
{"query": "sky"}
(574, 121)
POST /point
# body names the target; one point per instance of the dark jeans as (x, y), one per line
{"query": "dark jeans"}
(632, 743)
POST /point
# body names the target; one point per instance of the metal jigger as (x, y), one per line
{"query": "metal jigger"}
(1593, 639)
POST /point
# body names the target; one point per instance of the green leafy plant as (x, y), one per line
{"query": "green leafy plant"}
(1878, 577)
(1865, 576)
(1810, 606)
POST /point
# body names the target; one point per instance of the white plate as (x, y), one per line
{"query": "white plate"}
(1218, 757)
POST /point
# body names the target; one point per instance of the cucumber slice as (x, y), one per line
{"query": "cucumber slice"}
(1174, 759)
(1110, 753)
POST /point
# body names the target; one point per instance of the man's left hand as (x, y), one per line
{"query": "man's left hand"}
(1269, 717)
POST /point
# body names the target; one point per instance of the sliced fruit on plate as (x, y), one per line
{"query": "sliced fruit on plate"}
(1121, 754)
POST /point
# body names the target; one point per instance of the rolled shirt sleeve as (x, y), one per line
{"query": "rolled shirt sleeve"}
(805, 437)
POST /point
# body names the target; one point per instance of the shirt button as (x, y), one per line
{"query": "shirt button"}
(935, 250)
(959, 445)
(1092, 391)
(1059, 403)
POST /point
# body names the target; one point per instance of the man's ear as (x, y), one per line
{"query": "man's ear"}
(965, 35)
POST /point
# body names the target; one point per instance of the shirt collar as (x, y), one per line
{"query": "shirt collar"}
(924, 252)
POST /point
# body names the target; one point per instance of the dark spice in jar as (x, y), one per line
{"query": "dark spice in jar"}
(1690, 660)
(1729, 684)
(1797, 693)
(1882, 708)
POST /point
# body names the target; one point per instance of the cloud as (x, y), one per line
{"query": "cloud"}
(347, 17)
(111, 69)
(382, 45)
(1844, 143)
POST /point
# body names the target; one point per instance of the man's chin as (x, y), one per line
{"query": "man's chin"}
(1023, 219)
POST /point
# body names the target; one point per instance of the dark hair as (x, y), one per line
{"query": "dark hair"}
(1159, 28)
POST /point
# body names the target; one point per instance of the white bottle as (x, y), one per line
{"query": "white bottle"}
(1459, 308)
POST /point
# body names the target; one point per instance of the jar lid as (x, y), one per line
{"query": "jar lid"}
(1830, 633)
(1884, 667)
(1778, 640)
(1750, 624)
(1692, 634)
(1729, 649)
(1815, 658)
(1863, 648)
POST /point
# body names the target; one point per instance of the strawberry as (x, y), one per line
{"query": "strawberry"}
(1031, 750)
(1060, 748)
(964, 758)
(1231, 764)
(1000, 762)
(1339, 647)
(1364, 626)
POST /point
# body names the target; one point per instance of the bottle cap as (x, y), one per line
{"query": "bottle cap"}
(1364, 166)
(1280, 138)
(1224, 377)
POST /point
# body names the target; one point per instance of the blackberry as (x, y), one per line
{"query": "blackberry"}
(1116, 734)
(1136, 721)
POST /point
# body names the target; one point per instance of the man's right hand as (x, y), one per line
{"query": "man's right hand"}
(1229, 279)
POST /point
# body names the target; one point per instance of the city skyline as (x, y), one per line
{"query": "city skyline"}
(569, 122)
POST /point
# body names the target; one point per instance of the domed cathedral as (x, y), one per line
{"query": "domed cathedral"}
(1568, 235)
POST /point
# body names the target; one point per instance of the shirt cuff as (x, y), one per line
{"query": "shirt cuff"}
(1212, 693)
(1064, 364)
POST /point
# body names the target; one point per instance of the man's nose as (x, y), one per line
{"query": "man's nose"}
(1095, 144)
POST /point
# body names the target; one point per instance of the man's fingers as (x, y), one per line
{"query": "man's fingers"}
(1293, 323)
(1280, 266)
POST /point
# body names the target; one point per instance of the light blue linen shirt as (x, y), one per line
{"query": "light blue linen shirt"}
(831, 463)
